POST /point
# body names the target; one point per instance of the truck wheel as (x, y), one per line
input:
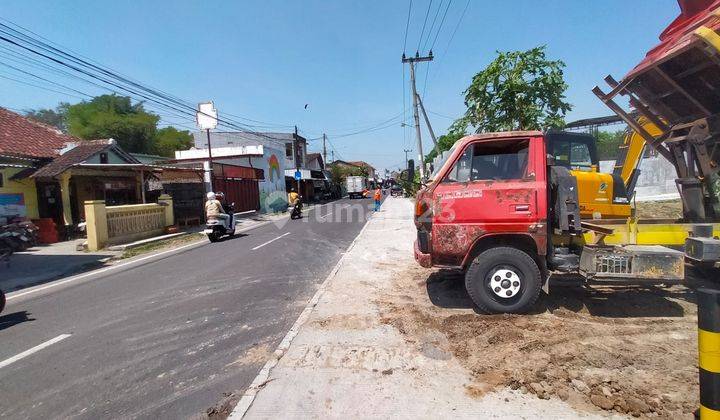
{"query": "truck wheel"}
(503, 280)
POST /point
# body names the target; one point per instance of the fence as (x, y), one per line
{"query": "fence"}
(112, 225)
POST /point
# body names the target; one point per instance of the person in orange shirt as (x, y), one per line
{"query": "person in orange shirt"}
(377, 197)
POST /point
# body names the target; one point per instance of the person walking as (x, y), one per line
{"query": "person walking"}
(377, 197)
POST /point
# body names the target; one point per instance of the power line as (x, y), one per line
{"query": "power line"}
(432, 25)
(100, 73)
(39, 87)
(407, 25)
(424, 23)
(442, 21)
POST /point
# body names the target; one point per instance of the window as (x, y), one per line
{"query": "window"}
(103, 157)
(288, 150)
(572, 154)
(491, 161)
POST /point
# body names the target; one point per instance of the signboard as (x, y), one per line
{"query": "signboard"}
(207, 116)
(12, 205)
(298, 175)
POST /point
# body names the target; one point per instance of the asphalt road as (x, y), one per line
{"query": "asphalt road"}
(167, 337)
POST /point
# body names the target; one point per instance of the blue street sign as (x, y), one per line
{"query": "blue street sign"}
(298, 175)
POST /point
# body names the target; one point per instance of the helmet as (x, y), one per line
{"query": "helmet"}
(211, 195)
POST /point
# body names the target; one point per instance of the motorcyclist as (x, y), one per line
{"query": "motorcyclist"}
(293, 197)
(214, 209)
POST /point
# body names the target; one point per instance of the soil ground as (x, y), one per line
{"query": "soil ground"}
(659, 209)
(625, 350)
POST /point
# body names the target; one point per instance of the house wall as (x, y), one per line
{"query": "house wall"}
(113, 158)
(273, 197)
(18, 197)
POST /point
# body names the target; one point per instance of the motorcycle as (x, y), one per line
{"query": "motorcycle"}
(216, 228)
(296, 212)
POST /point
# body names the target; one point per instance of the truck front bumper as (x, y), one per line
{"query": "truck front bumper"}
(425, 260)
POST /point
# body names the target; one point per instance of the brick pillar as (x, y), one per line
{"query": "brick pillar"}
(96, 219)
(167, 201)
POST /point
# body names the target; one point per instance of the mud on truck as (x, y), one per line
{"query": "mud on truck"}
(517, 210)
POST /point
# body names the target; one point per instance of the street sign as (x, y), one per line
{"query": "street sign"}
(207, 116)
(298, 175)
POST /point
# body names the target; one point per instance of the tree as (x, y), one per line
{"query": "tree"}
(608, 144)
(519, 90)
(169, 139)
(52, 117)
(112, 116)
(445, 142)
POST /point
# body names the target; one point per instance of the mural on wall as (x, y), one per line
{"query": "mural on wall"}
(274, 167)
(273, 197)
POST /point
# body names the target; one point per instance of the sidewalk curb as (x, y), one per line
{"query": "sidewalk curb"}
(130, 262)
(262, 377)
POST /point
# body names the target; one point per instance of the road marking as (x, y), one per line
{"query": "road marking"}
(270, 241)
(330, 212)
(56, 283)
(35, 349)
(262, 377)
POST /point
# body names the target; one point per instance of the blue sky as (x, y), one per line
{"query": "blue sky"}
(265, 60)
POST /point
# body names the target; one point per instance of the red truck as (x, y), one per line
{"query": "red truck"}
(485, 210)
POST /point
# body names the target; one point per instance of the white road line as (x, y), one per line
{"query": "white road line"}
(99, 271)
(35, 349)
(270, 241)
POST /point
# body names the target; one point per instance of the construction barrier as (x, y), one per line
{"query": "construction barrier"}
(709, 352)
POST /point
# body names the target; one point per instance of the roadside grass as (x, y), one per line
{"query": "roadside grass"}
(160, 245)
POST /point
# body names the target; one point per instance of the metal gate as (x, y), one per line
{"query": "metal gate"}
(243, 192)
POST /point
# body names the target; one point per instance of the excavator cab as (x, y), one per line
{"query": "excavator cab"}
(600, 195)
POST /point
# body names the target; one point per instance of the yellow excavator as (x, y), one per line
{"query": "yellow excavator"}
(604, 195)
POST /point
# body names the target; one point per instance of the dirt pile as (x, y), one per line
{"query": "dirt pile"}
(632, 351)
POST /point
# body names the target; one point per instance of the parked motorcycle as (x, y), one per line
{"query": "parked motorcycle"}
(216, 228)
(296, 212)
(19, 236)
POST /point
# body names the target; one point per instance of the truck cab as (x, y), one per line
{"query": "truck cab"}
(490, 195)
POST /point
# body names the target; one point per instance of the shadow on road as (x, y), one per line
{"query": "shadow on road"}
(446, 289)
(9, 320)
(29, 269)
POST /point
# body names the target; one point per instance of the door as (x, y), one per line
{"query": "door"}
(493, 187)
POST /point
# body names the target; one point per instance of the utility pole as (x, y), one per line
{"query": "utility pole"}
(427, 122)
(412, 61)
(406, 152)
(298, 156)
(324, 150)
(332, 155)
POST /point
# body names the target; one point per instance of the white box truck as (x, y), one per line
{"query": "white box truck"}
(355, 186)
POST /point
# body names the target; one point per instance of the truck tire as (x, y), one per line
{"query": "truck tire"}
(503, 280)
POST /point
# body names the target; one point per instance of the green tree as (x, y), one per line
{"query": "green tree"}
(445, 142)
(169, 139)
(52, 117)
(519, 90)
(112, 116)
(608, 144)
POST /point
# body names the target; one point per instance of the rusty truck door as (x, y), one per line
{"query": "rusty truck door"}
(495, 186)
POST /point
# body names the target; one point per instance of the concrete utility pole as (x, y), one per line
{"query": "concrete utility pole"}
(298, 155)
(324, 150)
(406, 159)
(412, 61)
(427, 122)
